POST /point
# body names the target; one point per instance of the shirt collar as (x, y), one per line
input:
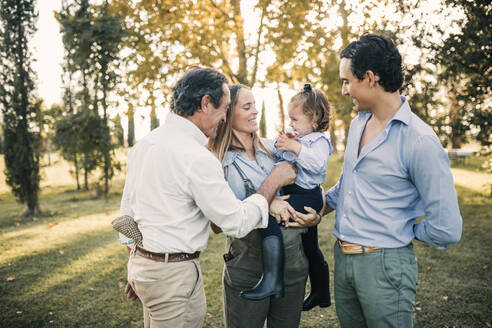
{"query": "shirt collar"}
(187, 126)
(231, 155)
(311, 137)
(403, 113)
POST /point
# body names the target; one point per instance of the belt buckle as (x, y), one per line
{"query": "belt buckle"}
(350, 249)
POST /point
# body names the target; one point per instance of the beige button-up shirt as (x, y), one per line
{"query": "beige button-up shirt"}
(175, 186)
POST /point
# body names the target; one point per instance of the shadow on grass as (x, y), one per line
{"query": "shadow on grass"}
(81, 287)
(72, 286)
(58, 206)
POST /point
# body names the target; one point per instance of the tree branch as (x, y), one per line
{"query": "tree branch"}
(258, 44)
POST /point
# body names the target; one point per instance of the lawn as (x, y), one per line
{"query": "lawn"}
(67, 269)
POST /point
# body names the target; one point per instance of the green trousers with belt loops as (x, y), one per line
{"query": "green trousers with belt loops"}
(375, 290)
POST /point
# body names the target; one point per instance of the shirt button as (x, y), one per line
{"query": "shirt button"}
(355, 170)
(350, 193)
(343, 237)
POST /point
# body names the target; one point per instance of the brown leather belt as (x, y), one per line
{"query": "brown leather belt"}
(349, 248)
(166, 257)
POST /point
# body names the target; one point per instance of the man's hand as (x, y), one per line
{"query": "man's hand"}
(281, 210)
(284, 142)
(310, 219)
(130, 293)
(284, 174)
(215, 228)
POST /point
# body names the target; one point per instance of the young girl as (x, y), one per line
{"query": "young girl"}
(307, 147)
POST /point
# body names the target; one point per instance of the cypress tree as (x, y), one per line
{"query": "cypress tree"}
(18, 102)
(131, 125)
(263, 131)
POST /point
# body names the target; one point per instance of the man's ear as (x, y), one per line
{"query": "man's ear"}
(372, 78)
(205, 103)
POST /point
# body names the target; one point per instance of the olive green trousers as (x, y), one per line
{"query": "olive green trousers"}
(376, 290)
(243, 270)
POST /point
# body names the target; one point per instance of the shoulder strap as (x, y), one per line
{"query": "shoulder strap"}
(248, 185)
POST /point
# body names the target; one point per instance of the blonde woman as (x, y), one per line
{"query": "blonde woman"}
(247, 161)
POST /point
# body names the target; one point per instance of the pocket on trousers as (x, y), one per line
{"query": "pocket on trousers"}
(198, 276)
(177, 283)
(392, 268)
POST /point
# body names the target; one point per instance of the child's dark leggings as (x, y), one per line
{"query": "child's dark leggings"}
(300, 197)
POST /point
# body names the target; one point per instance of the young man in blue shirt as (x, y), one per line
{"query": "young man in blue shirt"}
(395, 171)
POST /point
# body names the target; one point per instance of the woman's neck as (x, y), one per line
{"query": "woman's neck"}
(245, 141)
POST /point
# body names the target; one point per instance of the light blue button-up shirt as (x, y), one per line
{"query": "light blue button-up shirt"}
(312, 160)
(399, 176)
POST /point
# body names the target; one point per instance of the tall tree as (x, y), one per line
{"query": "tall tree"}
(131, 125)
(107, 35)
(18, 102)
(92, 38)
(118, 132)
(1, 138)
(466, 58)
(263, 129)
(76, 26)
(166, 39)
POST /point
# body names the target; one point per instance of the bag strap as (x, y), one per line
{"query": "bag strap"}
(248, 185)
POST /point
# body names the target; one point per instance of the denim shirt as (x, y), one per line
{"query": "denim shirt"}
(399, 176)
(246, 268)
(256, 171)
(313, 158)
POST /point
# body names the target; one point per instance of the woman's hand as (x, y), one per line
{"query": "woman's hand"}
(281, 210)
(310, 219)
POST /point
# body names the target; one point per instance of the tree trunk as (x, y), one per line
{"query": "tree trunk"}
(33, 208)
(86, 180)
(333, 137)
(131, 126)
(76, 165)
(456, 142)
(281, 127)
(242, 74)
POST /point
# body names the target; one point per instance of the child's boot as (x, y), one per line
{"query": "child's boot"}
(320, 288)
(272, 281)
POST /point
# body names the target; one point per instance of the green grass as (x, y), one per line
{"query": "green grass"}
(69, 268)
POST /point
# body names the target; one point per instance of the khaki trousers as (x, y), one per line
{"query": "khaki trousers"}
(172, 294)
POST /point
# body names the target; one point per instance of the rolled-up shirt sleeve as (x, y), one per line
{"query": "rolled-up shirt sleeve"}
(332, 194)
(430, 172)
(218, 203)
(126, 198)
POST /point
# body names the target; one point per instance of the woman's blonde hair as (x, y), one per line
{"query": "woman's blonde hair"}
(225, 139)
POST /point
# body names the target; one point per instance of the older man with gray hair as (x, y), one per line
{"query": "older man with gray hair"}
(174, 187)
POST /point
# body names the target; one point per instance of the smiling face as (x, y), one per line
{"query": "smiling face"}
(245, 113)
(216, 115)
(359, 91)
(301, 123)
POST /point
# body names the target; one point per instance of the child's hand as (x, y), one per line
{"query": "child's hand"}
(291, 133)
(288, 144)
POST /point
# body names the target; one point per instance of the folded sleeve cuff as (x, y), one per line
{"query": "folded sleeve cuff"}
(125, 240)
(262, 204)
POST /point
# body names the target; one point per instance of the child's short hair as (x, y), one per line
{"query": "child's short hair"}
(315, 105)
